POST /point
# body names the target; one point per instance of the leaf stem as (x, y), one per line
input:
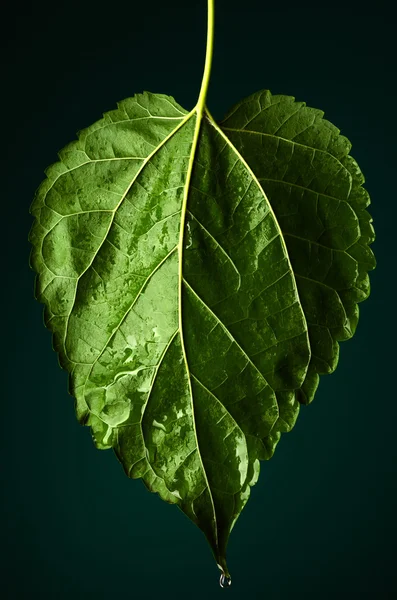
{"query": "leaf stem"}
(208, 57)
(199, 111)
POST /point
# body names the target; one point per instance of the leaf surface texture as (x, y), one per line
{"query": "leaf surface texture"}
(197, 291)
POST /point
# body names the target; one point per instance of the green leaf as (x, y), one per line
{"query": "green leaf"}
(197, 279)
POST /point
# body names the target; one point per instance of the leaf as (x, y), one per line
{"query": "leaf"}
(197, 279)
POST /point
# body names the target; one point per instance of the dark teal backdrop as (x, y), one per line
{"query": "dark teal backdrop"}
(320, 523)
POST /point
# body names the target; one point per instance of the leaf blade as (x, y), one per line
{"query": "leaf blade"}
(195, 326)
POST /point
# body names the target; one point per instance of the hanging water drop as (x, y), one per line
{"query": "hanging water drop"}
(225, 581)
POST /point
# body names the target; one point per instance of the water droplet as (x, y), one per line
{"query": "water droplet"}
(225, 581)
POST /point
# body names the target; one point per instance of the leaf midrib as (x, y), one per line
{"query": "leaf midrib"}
(199, 117)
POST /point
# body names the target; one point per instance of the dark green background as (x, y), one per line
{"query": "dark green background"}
(320, 523)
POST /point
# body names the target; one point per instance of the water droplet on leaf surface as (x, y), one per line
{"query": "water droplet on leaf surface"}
(225, 581)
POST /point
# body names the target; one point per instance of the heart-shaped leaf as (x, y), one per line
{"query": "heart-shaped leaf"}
(196, 279)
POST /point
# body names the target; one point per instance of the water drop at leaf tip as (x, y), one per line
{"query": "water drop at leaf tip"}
(225, 581)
